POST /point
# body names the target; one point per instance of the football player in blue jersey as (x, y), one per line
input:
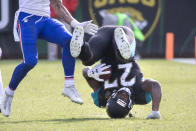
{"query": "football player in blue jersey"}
(117, 82)
(32, 21)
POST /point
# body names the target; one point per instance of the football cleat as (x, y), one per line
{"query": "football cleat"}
(122, 43)
(77, 41)
(6, 104)
(72, 93)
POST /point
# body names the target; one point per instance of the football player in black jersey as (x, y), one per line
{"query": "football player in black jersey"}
(123, 84)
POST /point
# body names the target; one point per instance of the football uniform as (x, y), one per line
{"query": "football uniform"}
(102, 45)
(124, 74)
(32, 21)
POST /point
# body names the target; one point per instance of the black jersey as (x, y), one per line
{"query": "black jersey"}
(123, 75)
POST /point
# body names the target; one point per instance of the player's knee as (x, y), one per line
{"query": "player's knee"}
(30, 63)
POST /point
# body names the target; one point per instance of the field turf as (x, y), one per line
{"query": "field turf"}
(39, 105)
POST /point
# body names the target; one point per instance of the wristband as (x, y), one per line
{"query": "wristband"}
(74, 23)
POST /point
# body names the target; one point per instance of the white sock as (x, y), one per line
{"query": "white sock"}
(1, 86)
(69, 81)
(9, 91)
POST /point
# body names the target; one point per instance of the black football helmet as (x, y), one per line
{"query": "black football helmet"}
(120, 103)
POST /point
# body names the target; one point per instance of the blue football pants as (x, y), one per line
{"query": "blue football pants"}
(32, 27)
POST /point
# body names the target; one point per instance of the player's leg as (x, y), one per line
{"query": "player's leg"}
(125, 42)
(28, 38)
(55, 32)
(100, 44)
(97, 45)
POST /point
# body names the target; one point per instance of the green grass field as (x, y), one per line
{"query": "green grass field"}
(39, 105)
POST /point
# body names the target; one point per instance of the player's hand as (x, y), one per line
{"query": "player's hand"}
(88, 26)
(100, 69)
(154, 115)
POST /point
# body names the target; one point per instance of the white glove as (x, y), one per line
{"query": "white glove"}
(98, 70)
(154, 115)
(88, 26)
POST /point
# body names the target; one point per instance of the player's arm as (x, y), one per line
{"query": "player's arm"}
(61, 11)
(92, 75)
(154, 88)
(64, 14)
(94, 84)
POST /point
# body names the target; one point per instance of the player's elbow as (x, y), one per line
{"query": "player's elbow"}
(156, 89)
(156, 84)
(84, 72)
